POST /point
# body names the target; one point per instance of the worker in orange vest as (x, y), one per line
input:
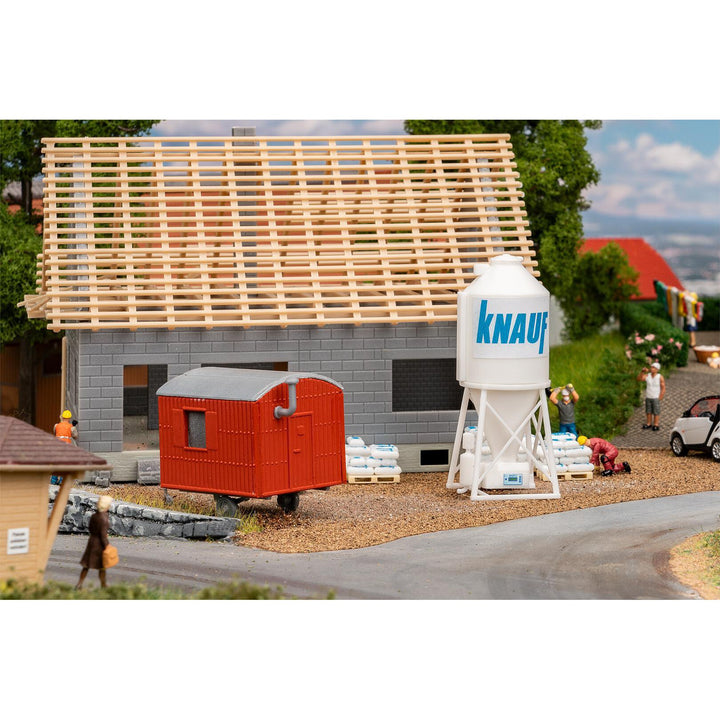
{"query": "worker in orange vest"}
(65, 430)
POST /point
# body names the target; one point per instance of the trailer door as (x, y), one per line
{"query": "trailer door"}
(300, 439)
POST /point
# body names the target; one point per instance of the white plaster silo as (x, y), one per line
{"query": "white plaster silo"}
(503, 364)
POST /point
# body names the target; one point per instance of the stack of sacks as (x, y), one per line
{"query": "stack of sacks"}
(384, 459)
(357, 455)
(469, 442)
(373, 460)
(569, 455)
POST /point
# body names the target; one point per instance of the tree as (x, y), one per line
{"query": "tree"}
(604, 283)
(19, 247)
(21, 162)
(555, 169)
(21, 146)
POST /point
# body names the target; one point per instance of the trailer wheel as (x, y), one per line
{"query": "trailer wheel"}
(225, 506)
(288, 502)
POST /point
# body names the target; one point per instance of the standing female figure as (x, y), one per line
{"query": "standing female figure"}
(92, 558)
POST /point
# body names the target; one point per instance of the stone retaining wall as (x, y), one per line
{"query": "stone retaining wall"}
(132, 520)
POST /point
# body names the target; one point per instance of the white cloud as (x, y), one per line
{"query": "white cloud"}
(647, 155)
(611, 199)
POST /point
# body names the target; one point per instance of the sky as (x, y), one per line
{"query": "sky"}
(657, 169)
(649, 75)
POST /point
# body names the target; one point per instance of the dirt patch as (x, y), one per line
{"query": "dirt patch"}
(355, 516)
(693, 566)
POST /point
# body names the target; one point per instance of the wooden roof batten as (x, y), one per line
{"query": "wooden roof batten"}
(212, 232)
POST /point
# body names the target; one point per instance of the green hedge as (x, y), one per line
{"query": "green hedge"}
(608, 404)
(711, 314)
(605, 373)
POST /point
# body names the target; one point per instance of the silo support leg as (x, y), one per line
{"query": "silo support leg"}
(455, 459)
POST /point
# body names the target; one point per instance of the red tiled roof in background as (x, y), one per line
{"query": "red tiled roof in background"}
(37, 204)
(645, 259)
(23, 444)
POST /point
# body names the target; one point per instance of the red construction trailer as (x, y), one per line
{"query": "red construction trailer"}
(240, 433)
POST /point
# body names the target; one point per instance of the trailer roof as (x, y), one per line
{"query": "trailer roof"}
(220, 383)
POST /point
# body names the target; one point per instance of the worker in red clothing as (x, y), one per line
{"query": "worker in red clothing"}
(604, 453)
(65, 430)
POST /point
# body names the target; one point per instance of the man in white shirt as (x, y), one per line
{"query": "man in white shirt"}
(654, 393)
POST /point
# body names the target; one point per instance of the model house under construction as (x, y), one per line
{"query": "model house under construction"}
(340, 256)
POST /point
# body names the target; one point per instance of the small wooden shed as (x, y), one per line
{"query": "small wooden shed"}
(241, 433)
(28, 458)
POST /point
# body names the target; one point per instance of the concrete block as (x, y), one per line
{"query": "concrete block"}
(157, 514)
(148, 471)
(102, 478)
(146, 528)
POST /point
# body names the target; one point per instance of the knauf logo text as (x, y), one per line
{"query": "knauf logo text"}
(520, 328)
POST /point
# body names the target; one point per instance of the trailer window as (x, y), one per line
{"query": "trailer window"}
(196, 428)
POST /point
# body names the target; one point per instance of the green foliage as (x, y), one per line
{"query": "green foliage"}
(21, 145)
(19, 246)
(648, 329)
(599, 285)
(612, 399)
(712, 543)
(711, 313)
(604, 380)
(231, 590)
(668, 350)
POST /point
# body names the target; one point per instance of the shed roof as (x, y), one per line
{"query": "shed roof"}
(209, 232)
(220, 383)
(23, 446)
(645, 259)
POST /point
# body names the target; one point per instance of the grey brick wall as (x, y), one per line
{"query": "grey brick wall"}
(358, 357)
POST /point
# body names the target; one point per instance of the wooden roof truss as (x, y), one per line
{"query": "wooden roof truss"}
(208, 232)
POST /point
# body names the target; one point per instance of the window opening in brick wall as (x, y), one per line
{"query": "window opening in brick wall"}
(196, 428)
(140, 408)
(434, 457)
(425, 384)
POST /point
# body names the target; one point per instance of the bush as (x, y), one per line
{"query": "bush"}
(652, 338)
(711, 314)
(604, 409)
(604, 379)
(231, 590)
(595, 290)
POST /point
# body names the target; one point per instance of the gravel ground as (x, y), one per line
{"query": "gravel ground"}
(354, 516)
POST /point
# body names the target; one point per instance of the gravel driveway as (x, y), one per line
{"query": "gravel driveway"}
(354, 516)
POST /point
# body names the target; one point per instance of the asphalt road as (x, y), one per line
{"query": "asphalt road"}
(612, 552)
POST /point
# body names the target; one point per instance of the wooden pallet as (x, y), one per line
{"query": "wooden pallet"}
(368, 479)
(568, 475)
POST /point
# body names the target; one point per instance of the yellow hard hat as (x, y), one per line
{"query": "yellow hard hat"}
(715, 355)
(67, 414)
(581, 440)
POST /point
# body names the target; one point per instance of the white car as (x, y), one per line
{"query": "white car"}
(698, 428)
